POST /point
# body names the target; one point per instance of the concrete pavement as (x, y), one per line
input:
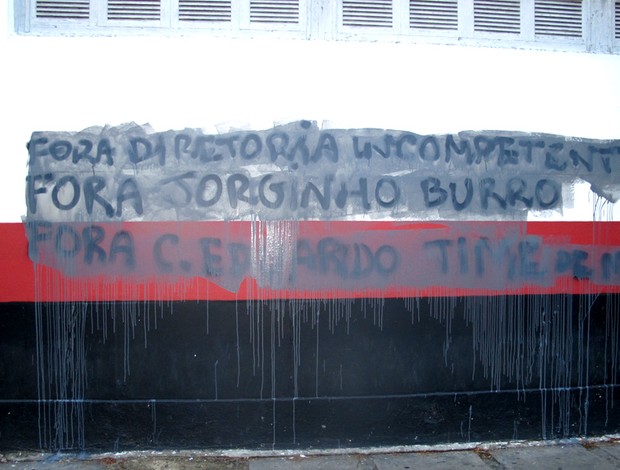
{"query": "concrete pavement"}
(599, 454)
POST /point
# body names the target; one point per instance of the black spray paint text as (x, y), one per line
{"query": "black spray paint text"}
(274, 192)
(301, 172)
(300, 147)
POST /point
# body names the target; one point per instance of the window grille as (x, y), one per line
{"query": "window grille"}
(63, 10)
(135, 10)
(367, 13)
(514, 23)
(433, 14)
(558, 18)
(617, 20)
(205, 10)
(275, 11)
(497, 16)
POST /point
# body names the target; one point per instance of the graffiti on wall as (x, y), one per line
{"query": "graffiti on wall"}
(300, 172)
(269, 206)
(308, 225)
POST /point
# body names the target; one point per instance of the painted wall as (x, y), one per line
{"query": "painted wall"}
(70, 83)
(134, 366)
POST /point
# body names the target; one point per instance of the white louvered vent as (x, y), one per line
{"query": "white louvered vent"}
(433, 14)
(63, 9)
(368, 13)
(497, 16)
(558, 18)
(617, 20)
(136, 10)
(204, 10)
(274, 11)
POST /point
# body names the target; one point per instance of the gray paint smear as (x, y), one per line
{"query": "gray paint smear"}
(300, 172)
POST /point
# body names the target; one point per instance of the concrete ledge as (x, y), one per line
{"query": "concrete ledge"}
(600, 453)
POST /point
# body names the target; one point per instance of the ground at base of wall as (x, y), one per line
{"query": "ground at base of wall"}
(600, 453)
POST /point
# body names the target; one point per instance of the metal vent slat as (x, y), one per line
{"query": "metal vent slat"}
(558, 18)
(433, 14)
(204, 10)
(136, 10)
(617, 20)
(63, 9)
(367, 13)
(275, 11)
(497, 16)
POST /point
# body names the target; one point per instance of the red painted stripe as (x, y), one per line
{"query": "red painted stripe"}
(19, 271)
